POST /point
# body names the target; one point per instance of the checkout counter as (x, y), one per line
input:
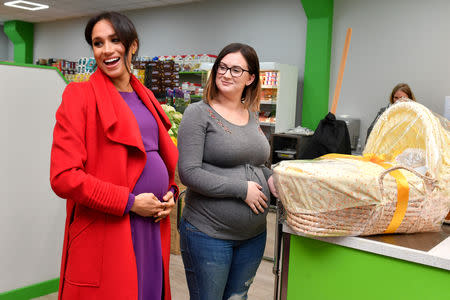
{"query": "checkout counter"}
(391, 266)
(403, 266)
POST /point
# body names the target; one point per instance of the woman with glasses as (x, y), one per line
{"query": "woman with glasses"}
(222, 155)
(401, 90)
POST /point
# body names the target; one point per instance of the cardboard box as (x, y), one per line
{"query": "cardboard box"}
(174, 235)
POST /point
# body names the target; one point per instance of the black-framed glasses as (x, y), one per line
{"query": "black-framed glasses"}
(235, 71)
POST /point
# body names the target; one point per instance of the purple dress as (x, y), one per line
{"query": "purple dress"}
(154, 179)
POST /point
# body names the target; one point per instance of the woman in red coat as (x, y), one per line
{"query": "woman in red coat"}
(114, 162)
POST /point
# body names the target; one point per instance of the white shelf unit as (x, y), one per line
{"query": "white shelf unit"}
(286, 95)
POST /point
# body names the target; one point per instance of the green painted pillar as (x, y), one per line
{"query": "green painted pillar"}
(21, 35)
(316, 83)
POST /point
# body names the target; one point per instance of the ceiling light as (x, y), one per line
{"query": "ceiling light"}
(26, 5)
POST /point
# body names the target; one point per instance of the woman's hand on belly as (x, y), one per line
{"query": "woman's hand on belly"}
(147, 205)
(169, 203)
(256, 199)
(272, 187)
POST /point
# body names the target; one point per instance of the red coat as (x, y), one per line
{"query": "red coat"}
(97, 157)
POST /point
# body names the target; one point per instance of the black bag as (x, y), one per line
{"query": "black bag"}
(331, 136)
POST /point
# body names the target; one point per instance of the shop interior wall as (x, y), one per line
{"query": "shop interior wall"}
(393, 41)
(276, 29)
(32, 216)
(10, 51)
(4, 44)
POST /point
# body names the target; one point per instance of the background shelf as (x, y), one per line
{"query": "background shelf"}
(268, 102)
(192, 72)
(269, 124)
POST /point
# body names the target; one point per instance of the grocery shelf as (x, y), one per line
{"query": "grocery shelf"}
(192, 72)
(269, 86)
(271, 124)
(268, 102)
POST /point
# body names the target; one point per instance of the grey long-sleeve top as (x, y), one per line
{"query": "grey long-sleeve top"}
(217, 158)
(380, 112)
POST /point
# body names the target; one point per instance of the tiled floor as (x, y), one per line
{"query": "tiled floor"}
(261, 289)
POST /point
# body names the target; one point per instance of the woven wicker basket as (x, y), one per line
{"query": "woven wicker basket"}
(428, 202)
(421, 215)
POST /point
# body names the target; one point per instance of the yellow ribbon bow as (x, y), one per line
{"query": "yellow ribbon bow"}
(400, 179)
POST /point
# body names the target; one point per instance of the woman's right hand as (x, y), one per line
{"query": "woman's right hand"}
(256, 199)
(147, 205)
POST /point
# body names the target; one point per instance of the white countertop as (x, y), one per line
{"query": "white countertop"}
(437, 256)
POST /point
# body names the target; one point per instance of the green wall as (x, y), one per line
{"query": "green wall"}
(317, 61)
(21, 34)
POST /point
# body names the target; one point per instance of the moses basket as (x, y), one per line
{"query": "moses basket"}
(399, 185)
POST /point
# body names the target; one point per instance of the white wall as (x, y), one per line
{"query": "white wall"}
(10, 51)
(31, 215)
(4, 44)
(61, 39)
(276, 29)
(393, 41)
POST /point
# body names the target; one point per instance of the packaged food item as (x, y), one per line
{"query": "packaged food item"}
(168, 66)
(167, 74)
(90, 65)
(167, 82)
(179, 59)
(208, 58)
(185, 85)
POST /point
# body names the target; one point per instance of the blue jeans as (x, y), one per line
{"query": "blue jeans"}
(219, 269)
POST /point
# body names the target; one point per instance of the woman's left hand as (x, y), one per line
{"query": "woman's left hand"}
(272, 187)
(169, 203)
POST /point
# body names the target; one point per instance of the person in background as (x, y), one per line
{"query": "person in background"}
(114, 162)
(401, 90)
(222, 155)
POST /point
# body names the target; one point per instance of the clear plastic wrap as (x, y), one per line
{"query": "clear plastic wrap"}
(401, 184)
(410, 125)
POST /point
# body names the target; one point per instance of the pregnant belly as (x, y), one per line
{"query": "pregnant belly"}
(154, 178)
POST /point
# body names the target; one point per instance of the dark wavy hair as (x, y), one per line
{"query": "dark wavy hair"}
(251, 93)
(405, 89)
(124, 28)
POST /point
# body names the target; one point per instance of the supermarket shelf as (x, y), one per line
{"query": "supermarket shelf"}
(268, 124)
(192, 72)
(269, 86)
(268, 102)
(197, 97)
